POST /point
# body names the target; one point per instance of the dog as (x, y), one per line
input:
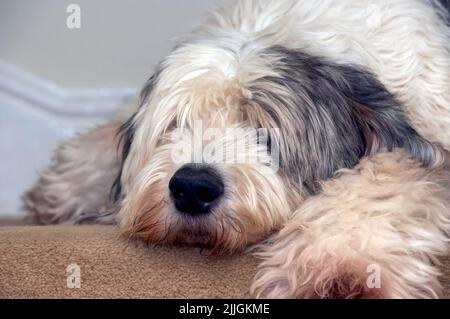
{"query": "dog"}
(337, 172)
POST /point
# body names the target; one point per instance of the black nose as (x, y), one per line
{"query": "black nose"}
(195, 189)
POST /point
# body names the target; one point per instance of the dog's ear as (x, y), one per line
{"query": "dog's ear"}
(378, 116)
(126, 135)
(329, 116)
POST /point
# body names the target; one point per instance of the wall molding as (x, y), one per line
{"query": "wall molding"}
(50, 97)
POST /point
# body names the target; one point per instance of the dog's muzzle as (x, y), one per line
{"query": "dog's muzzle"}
(195, 189)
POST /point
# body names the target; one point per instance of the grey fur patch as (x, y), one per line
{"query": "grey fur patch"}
(126, 134)
(442, 8)
(329, 115)
(446, 5)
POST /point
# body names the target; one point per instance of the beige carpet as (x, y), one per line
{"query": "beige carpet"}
(33, 262)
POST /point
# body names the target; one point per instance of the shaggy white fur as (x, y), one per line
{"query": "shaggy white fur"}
(342, 83)
(387, 212)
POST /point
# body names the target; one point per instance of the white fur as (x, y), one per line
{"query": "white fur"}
(387, 210)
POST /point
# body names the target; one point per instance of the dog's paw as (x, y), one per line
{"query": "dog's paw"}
(332, 279)
(299, 266)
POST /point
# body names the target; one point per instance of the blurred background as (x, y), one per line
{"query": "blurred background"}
(56, 80)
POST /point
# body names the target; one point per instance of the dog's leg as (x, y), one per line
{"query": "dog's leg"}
(77, 186)
(374, 231)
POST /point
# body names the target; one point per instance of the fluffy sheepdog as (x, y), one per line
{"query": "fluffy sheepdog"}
(313, 131)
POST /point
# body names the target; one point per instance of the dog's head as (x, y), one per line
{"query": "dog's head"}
(228, 140)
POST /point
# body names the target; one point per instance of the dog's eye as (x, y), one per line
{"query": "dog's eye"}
(264, 139)
(172, 125)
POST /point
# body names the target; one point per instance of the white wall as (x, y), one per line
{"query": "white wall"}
(55, 81)
(118, 44)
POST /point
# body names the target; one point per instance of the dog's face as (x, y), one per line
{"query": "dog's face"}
(228, 141)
